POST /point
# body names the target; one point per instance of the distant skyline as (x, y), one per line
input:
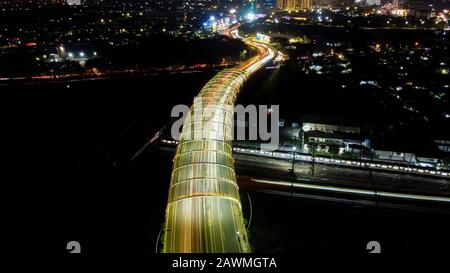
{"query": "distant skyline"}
(278, 4)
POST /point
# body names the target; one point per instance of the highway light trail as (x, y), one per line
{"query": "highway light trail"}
(204, 213)
(355, 191)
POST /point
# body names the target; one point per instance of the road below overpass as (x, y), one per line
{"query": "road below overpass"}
(341, 176)
(204, 212)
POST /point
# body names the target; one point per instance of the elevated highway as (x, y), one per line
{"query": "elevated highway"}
(204, 213)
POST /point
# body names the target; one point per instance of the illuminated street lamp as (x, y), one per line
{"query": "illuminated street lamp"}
(293, 159)
(62, 51)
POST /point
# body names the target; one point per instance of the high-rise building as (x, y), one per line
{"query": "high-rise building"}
(294, 4)
(325, 3)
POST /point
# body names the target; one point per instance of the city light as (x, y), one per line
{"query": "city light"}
(250, 16)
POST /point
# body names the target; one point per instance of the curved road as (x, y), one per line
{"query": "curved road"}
(204, 213)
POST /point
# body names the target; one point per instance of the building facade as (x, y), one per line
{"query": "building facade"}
(330, 128)
(293, 4)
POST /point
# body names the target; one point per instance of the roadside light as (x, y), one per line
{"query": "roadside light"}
(377, 47)
(212, 18)
(81, 54)
(70, 55)
(95, 53)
